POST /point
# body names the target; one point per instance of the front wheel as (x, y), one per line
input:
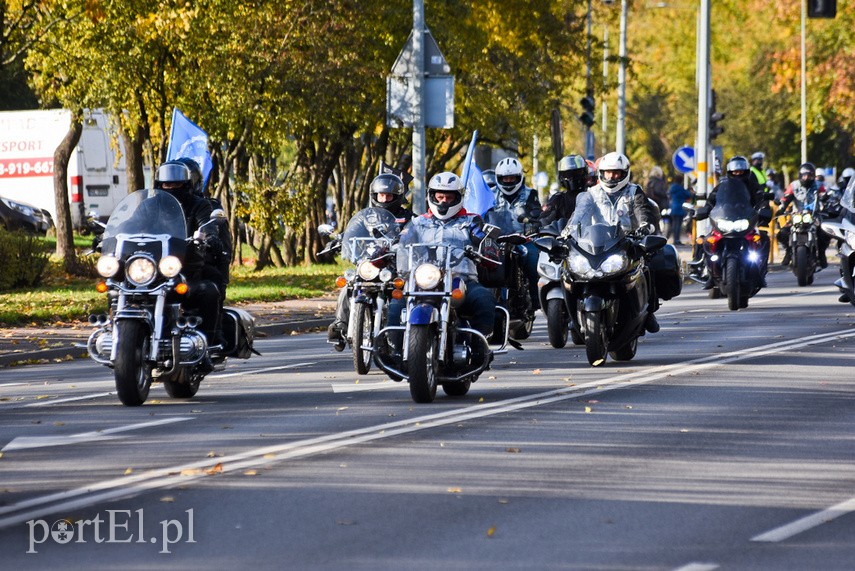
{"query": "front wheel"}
(183, 390)
(731, 278)
(422, 363)
(523, 332)
(800, 265)
(133, 381)
(595, 339)
(458, 389)
(364, 331)
(556, 322)
(627, 352)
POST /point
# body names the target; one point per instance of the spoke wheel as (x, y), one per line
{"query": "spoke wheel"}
(363, 334)
(422, 363)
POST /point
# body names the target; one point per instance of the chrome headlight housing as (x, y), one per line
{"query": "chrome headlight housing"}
(107, 266)
(614, 263)
(141, 271)
(579, 265)
(427, 276)
(367, 271)
(169, 266)
(732, 225)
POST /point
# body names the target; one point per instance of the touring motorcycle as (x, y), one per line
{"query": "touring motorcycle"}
(147, 335)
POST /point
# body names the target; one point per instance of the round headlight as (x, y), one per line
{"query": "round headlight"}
(368, 271)
(386, 275)
(579, 264)
(349, 274)
(169, 266)
(614, 263)
(107, 266)
(807, 218)
(797, 218)
(428, 276)
(140, 271)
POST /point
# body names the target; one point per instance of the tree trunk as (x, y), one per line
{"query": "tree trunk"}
(133, 145)
(64, 235)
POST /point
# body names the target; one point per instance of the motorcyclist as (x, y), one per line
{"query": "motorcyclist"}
(757, 168)
(386, 191)
(624, 201)
(449, 223)
(572, 179)
(200, 265)
(516, 210)
(489, 177)
(845, 177)
(805, 190)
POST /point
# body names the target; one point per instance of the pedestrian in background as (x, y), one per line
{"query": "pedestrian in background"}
(657, 188)
(678, 194)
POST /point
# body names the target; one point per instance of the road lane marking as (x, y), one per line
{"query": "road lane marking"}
(354, 388)
(136, 484)
(698, 567)
(26, 442)
(69, 399)
(808, 522)
(265, 370)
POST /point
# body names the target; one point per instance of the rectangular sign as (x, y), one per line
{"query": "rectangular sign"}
(13, 168)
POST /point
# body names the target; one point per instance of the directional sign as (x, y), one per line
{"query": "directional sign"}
(684, 159)
(434, 61)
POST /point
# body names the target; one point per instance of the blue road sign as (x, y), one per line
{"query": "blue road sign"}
(684, 159)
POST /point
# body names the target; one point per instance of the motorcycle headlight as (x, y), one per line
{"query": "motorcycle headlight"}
(427, 276)
(807, 218)
(169, 266)
(140, 271)
(367, 271)
(732, 225)
(797, 218)
(349, 274)
(548, 270)
(107, 266)
(386, 275)
(614, 263)
(579, 264)
(850, 239)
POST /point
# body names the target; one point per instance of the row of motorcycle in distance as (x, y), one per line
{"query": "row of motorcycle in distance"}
(595, 289)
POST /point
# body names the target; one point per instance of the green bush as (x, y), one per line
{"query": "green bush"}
(23, 259)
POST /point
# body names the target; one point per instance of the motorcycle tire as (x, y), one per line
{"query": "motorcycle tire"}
(183, 390)
(523, 332)
(422, 363)
(595, 339)
(458, 389)
(801, 265)
(556, 322)
(715, 293)
(364, 331)
(625, 353)
(133, 381)
(731, 278)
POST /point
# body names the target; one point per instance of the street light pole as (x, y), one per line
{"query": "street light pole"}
(703, 65)
(418, 107)
(620, 140)
(803, 86)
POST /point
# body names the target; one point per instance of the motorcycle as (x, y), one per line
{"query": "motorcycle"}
(606, 279)
(559, 320)
(367, 243)
(435, 347)
(147, 335)
(803, 240)
(734, 253)
(844, 230)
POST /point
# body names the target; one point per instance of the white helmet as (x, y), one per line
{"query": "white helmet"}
(509, 176)
(846, 175)
(613, 162)
(445, 182)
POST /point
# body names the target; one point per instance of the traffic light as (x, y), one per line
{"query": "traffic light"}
(822, 8)
(714, 129)
(587, 115)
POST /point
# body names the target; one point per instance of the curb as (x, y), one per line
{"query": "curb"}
(78, 350)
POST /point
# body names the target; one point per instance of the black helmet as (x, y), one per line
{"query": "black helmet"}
(195, 174)
(807, 175)
(489, 177)
(573, 173)
(737, 167)
(387, 183)
(175, 178)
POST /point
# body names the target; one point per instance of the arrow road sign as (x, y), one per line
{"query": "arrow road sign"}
(684, 159)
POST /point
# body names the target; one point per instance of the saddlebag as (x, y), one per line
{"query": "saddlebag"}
(667, 275)
(239, 331)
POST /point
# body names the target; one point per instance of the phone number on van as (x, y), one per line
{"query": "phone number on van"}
(26, 167)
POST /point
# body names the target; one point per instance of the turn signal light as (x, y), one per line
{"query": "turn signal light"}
(101, 287)
(340, 281)
(181, 288)
(457, 294)
(397, 294)
(398, 283)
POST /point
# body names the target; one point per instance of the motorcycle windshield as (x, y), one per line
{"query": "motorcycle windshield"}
(435, 254)
(589, 227)
(145, 212)
(848, 199)
(369, 233)
(733, 204)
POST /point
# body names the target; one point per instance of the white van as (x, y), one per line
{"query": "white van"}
(97, 178)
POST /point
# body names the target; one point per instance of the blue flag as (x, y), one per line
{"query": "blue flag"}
(479, 198)
(186, 139)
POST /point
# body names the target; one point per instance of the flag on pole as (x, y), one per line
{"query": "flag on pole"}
(406, 177)
(479, 198)
(186, 139)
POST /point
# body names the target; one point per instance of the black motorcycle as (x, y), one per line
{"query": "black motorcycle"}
(366, 243)
(607, 281)
(734, 253)
(804, 245)
(147, 335)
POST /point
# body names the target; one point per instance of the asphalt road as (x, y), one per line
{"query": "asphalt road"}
(727, 443)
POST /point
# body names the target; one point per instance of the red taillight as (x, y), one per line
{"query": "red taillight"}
(77, 188)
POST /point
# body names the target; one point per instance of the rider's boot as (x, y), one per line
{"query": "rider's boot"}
(787, 257)
(651, 324)
(335, 335)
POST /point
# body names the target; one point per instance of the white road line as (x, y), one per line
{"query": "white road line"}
(69, 399)
(698, 567)
(265, 370)
(26, 442)
(807, 522)
(355, 388)
(136, 484)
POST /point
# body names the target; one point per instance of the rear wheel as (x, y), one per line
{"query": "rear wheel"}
(363, 332)
(523, 332)
(133, 381)
(595, 339)
(556, 322)
(422, 363)
(800, 265)
(731, 278)
(627, 352)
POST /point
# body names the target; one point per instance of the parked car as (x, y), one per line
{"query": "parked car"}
(16, 215)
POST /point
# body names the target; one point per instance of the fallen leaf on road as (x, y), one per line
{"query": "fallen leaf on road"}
(216, 469)
(491, 531)
(191, 472)
(588, 409)
(534, 372)
(59, 423)
(129, 471)
(167, 499)
(269, 456)
(251, 473)
(455, 490)
(513, 450)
